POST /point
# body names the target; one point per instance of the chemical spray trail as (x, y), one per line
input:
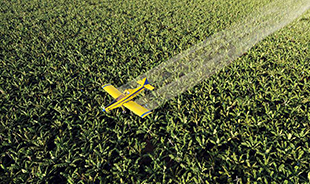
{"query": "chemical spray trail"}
(190, 67)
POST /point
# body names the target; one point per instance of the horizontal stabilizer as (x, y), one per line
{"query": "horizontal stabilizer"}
(149, 87)
(146, 84)
(141, 82)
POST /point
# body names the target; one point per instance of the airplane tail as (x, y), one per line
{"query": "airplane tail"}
(146, 84)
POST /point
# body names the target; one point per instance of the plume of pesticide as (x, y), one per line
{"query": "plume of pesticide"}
(190, 67)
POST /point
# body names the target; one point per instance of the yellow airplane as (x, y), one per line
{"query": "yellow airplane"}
(125, 99)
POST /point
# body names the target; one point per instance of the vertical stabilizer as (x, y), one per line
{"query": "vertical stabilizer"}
(144, 82)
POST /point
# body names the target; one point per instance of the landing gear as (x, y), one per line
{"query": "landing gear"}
(124, 111)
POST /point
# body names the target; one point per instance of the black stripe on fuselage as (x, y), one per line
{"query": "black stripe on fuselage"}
(116, 103)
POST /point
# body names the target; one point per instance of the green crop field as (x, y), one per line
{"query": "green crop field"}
(248, 123)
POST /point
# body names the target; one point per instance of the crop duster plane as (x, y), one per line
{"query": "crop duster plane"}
(126, 99)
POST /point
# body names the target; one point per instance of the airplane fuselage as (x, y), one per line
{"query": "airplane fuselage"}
(124, 98)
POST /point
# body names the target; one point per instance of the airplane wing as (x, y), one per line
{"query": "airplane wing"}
(112, 90)
(137, 109)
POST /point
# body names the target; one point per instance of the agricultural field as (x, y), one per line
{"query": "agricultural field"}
(248, 123)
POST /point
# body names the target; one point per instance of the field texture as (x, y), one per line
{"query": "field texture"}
(248, 123)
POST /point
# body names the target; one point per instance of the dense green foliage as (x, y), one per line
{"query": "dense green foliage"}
(248, 122)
